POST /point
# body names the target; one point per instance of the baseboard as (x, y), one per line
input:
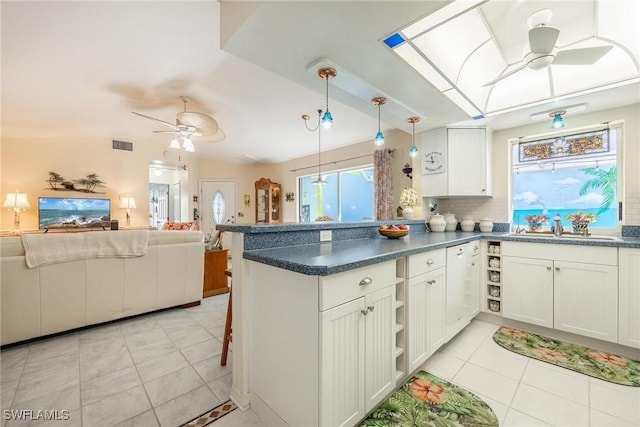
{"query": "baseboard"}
(190, 304)
(265, 413)
(619, 349)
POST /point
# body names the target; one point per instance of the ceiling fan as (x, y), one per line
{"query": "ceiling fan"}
(190, 124)
(543, 51)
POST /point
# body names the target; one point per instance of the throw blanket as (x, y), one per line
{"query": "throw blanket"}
(44, 249)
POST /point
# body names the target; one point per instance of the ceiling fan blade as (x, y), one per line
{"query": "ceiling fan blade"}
(543, 39)
(172, 126)
(204, 124)
(165, 131)
(217, 137)
(584, 56)
(504, 76)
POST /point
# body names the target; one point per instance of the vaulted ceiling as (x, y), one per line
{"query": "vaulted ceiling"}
(78, 69)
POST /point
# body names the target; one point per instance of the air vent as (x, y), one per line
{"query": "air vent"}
(246, 159)
(122, 145)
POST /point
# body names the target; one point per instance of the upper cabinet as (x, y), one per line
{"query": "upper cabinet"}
(268, 201)
(455, 162)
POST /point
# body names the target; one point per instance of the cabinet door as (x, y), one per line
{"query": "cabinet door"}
(342, 364)
(467, 162)
(629, 299)
(425, 316)
(472, 290)
(586, 299)
(527, 290)
(380, 344)
(436, 309)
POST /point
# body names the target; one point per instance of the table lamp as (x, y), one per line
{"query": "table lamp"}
(16, 202)
(408, 199)
(128, 203)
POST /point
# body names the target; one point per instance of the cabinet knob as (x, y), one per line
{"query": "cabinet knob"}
(473, 264)
(429, 261)
(366, 281)
(549, 267)
(557, 268)
(370, 308)
(364, 312)
(431, 282)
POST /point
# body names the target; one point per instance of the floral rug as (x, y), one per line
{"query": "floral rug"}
(426, 400)
(212, 415)
(595, 363)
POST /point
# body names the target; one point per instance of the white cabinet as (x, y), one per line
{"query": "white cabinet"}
(426, 288)
(572, 287)
(527, 290)
(463, 282)
(328, 342)
(629, 297)
(456, 162)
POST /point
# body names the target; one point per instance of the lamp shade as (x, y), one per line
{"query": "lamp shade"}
(557, 122)
(409, 197)
(16, 201)
(127, 203)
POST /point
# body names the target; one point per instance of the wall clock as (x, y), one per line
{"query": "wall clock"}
(434, 162)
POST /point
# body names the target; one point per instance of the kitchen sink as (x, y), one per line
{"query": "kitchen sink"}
(567, 236)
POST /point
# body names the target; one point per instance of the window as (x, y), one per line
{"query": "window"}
(218, 206)
(347, 196)
(566, 174)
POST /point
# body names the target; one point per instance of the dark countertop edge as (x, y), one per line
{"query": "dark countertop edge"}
(325, 270)
(306, 226)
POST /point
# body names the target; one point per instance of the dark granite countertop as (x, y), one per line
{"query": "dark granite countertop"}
(322, 259)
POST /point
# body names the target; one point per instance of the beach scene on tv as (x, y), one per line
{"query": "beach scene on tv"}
(65, 213)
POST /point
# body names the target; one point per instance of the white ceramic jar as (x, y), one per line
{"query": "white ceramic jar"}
(486, 225)
(451, 223)
(467, 223)
(437, 223)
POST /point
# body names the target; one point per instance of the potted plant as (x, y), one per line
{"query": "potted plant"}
(580, 220)
(536, 221)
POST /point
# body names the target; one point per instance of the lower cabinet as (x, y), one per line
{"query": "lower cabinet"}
(629, 297)
(527, 290)
(426, 316)
(357, 358)
(566, 287)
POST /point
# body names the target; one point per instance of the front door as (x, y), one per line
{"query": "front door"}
(217, 206)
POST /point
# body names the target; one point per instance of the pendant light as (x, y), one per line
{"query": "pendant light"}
(318, 127)
(558, 121)
(327, 73)
(379, 139)
(413, 151)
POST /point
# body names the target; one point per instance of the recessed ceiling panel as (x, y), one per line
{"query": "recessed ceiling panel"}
(483, 65)
(529, 86)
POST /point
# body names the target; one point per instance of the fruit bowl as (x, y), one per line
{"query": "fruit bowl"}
(393, 233)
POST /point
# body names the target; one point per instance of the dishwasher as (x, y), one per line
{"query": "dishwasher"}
(463, 282)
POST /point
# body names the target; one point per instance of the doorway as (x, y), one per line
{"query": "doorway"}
(158, 205)
(217, 206)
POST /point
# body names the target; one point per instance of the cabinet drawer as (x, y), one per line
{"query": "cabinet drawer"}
(342, 287)
(426, 262)
(572, 253)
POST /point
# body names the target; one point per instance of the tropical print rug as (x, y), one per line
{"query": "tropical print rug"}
(426, 400)
(588, 361)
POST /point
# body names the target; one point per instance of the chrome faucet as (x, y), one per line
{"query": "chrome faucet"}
(557, 228)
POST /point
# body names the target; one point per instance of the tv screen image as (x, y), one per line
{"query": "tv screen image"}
(56, 212)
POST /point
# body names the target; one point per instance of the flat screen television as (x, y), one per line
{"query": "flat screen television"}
(68, 213)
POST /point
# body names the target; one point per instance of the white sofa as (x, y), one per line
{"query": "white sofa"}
(59, 297)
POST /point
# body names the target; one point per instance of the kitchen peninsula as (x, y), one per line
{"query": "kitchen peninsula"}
(323, 331)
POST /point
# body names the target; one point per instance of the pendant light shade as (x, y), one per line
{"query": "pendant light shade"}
(327, 73)
(413, 150)
(558, 121)
(319, 180)
(379, 138)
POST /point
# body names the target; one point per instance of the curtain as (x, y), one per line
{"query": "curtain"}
(383, 187)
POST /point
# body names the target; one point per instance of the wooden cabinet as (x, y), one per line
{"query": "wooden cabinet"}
(568, 287)
(629, 297)
(215, 282)
(268, 201)
(456, 162)
(426, 293)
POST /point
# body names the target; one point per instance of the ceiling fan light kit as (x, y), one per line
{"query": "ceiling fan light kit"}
(189, 124)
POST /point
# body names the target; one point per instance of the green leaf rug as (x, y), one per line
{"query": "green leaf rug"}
(426, 400)
(588, 361)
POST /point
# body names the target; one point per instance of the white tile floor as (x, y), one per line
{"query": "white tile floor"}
(163, 369)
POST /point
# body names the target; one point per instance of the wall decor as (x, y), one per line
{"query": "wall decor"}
(290, 197)
(565, 146)
(58, 183)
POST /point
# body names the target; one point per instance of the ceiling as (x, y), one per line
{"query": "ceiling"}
(78, 69)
